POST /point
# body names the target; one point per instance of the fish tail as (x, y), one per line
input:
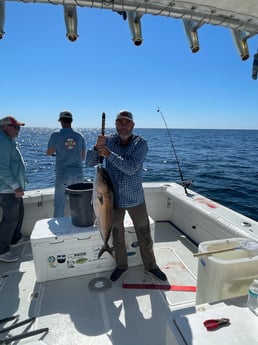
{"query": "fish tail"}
(106, 248)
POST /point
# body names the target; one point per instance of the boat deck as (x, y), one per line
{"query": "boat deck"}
(131, 311)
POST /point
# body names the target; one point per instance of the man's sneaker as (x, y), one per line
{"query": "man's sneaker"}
(157, 273)
(117, 273)
(8, 257)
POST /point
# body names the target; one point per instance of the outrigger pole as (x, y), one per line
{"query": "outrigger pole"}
(184, 183)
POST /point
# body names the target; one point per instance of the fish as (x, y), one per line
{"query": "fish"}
(103, 204)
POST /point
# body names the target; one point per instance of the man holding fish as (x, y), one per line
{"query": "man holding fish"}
(124, 154)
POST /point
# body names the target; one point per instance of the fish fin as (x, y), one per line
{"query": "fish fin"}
(106, 248)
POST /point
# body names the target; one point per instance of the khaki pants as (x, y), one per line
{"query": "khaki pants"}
(141, 223)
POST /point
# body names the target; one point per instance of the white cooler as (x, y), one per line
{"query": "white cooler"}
(62, 250)
(227, 274)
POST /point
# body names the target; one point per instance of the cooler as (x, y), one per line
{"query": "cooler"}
(62, 250)
(227, 274)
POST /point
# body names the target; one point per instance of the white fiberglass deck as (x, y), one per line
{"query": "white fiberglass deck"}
(119, 315)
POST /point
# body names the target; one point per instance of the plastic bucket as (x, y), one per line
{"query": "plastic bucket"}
(81, 206)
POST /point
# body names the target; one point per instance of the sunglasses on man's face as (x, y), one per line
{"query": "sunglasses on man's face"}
(15, 126)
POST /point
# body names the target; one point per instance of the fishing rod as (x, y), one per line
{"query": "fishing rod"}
(185, 184)
(103, 124)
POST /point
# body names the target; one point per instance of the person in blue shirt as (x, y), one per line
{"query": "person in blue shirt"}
(68, 146)
(12, 185)
(124, 154)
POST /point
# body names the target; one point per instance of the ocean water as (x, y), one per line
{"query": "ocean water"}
(222, 164)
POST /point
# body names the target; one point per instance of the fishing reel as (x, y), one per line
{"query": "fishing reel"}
(187, 184)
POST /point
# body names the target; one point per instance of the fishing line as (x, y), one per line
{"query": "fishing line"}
(185, 184)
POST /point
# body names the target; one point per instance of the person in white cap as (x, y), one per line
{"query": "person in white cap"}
(124, 154)
(68, 146)
(12, 185)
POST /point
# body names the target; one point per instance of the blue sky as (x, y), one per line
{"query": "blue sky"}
(43, 73)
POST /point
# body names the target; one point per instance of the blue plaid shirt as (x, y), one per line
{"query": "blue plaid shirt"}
(124, 166)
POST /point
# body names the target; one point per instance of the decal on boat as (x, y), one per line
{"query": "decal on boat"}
(71, 260)
(135, 244)
(61, 259)
(131, 253)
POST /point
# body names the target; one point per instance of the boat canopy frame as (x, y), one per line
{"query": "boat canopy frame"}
(240, 17)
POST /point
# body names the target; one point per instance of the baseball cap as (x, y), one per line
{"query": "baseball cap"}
(10, 120)
(65, 115)
(124, 114)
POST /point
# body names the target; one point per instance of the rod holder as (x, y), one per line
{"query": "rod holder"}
(2, 18)
(134, 20)
(70, 15)
(240, 40)
(191, 28)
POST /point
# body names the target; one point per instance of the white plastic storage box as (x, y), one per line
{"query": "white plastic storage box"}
(62, 250)
(227, 274)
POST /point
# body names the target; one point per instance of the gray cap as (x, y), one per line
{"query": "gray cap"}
(65, 115)
(124, 114)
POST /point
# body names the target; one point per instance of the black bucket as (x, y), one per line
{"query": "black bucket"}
(81, 206)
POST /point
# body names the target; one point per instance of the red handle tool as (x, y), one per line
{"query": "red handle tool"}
(213, 324)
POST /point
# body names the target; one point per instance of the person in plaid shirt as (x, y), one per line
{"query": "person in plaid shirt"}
(124, 154)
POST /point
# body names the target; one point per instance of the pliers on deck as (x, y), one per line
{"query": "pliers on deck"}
(9, 339)
(213, 324)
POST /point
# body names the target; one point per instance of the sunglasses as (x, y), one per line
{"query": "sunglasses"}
(15, 126)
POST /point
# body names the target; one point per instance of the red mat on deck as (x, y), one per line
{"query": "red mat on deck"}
(160, 287)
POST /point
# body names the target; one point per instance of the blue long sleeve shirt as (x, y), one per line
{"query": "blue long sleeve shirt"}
(124, 166)
(12, 168)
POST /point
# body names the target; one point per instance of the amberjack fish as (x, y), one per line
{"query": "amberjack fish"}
(103, 204)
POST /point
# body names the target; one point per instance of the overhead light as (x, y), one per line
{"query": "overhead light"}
(70, 15)
(2, 18)
(192, 35)
(240, 39)
(134, 20)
